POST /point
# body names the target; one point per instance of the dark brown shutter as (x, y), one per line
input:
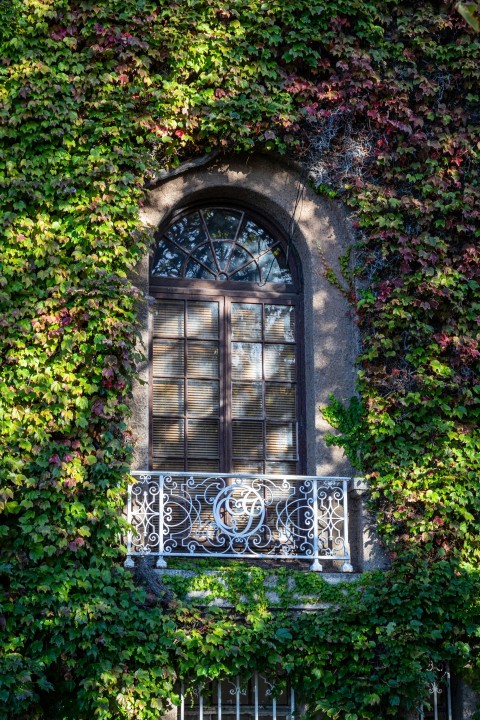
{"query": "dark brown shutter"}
(185, 385)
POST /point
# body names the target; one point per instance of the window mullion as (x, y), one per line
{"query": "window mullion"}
(226, 384)
(185, 386)
(150, 385)
(264, 407)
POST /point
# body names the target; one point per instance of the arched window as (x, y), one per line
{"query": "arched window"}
(224, 352)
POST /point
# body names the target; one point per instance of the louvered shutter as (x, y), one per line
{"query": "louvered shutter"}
(185, 385)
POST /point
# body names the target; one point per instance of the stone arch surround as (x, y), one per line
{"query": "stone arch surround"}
(320, 234)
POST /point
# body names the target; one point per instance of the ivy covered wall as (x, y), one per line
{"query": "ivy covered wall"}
(379, 100)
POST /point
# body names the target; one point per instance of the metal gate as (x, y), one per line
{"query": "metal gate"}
(236, 699)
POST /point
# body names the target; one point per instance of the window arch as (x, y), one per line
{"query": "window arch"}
(225, 345)
(220, 243)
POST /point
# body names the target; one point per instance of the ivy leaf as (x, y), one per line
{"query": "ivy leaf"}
(471, 14)
(283, 634)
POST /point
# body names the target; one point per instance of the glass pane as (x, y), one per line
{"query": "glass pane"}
(168, 436)
(274, 267)
(168, 318)
(255, 238)
(222, 253)
(204, 255)
(195, 271)
(281, 441)
(239, 257)
(203, 398)
(188, 231)
(168, 397)
(280, 362)
(222, 223)
(188, 237)
(168, 260)
(168, 357)
(247, 400)
(203, 438)
(247, 438)
(280, 401)
(202, 319)
(280, 323)
(246, 361)
(202, 359)
(250, 273)
(246, 321)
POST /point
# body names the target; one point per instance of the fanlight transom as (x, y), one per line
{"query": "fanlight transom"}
(220, 244)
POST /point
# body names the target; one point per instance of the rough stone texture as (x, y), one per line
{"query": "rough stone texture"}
(170, 714)
(367, 551)
(469, 700)
(270, 581)
(299, 603)
(139, 404)
(320, 232)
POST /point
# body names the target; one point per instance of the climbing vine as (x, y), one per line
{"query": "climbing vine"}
(379, 100)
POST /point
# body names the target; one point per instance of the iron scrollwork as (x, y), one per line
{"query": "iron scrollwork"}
(185, 514)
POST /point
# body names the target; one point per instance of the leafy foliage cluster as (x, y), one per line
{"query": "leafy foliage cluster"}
(380, 100)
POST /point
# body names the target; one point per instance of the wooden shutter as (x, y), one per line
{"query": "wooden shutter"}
(185, 385)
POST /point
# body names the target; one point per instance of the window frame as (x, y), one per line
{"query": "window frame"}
(230, 291)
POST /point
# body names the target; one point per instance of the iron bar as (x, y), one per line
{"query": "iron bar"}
(440, 690)
(161, 528)
(237, 697)
(129, 562)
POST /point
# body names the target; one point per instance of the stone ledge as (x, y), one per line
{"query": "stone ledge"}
(331, 578)
(299, 602)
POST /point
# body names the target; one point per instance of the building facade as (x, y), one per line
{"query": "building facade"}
(246, 338)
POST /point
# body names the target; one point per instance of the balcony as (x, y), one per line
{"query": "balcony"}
(238, 516)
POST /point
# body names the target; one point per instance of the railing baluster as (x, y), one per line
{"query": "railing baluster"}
(182, 701)
(161, 523)
(129, 563)
(347, 566)
(315, 566)
(449, 692)
(237, 698)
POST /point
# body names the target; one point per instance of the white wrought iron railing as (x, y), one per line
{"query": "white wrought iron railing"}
(440, 695)
(220, 515)
(235, 699)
